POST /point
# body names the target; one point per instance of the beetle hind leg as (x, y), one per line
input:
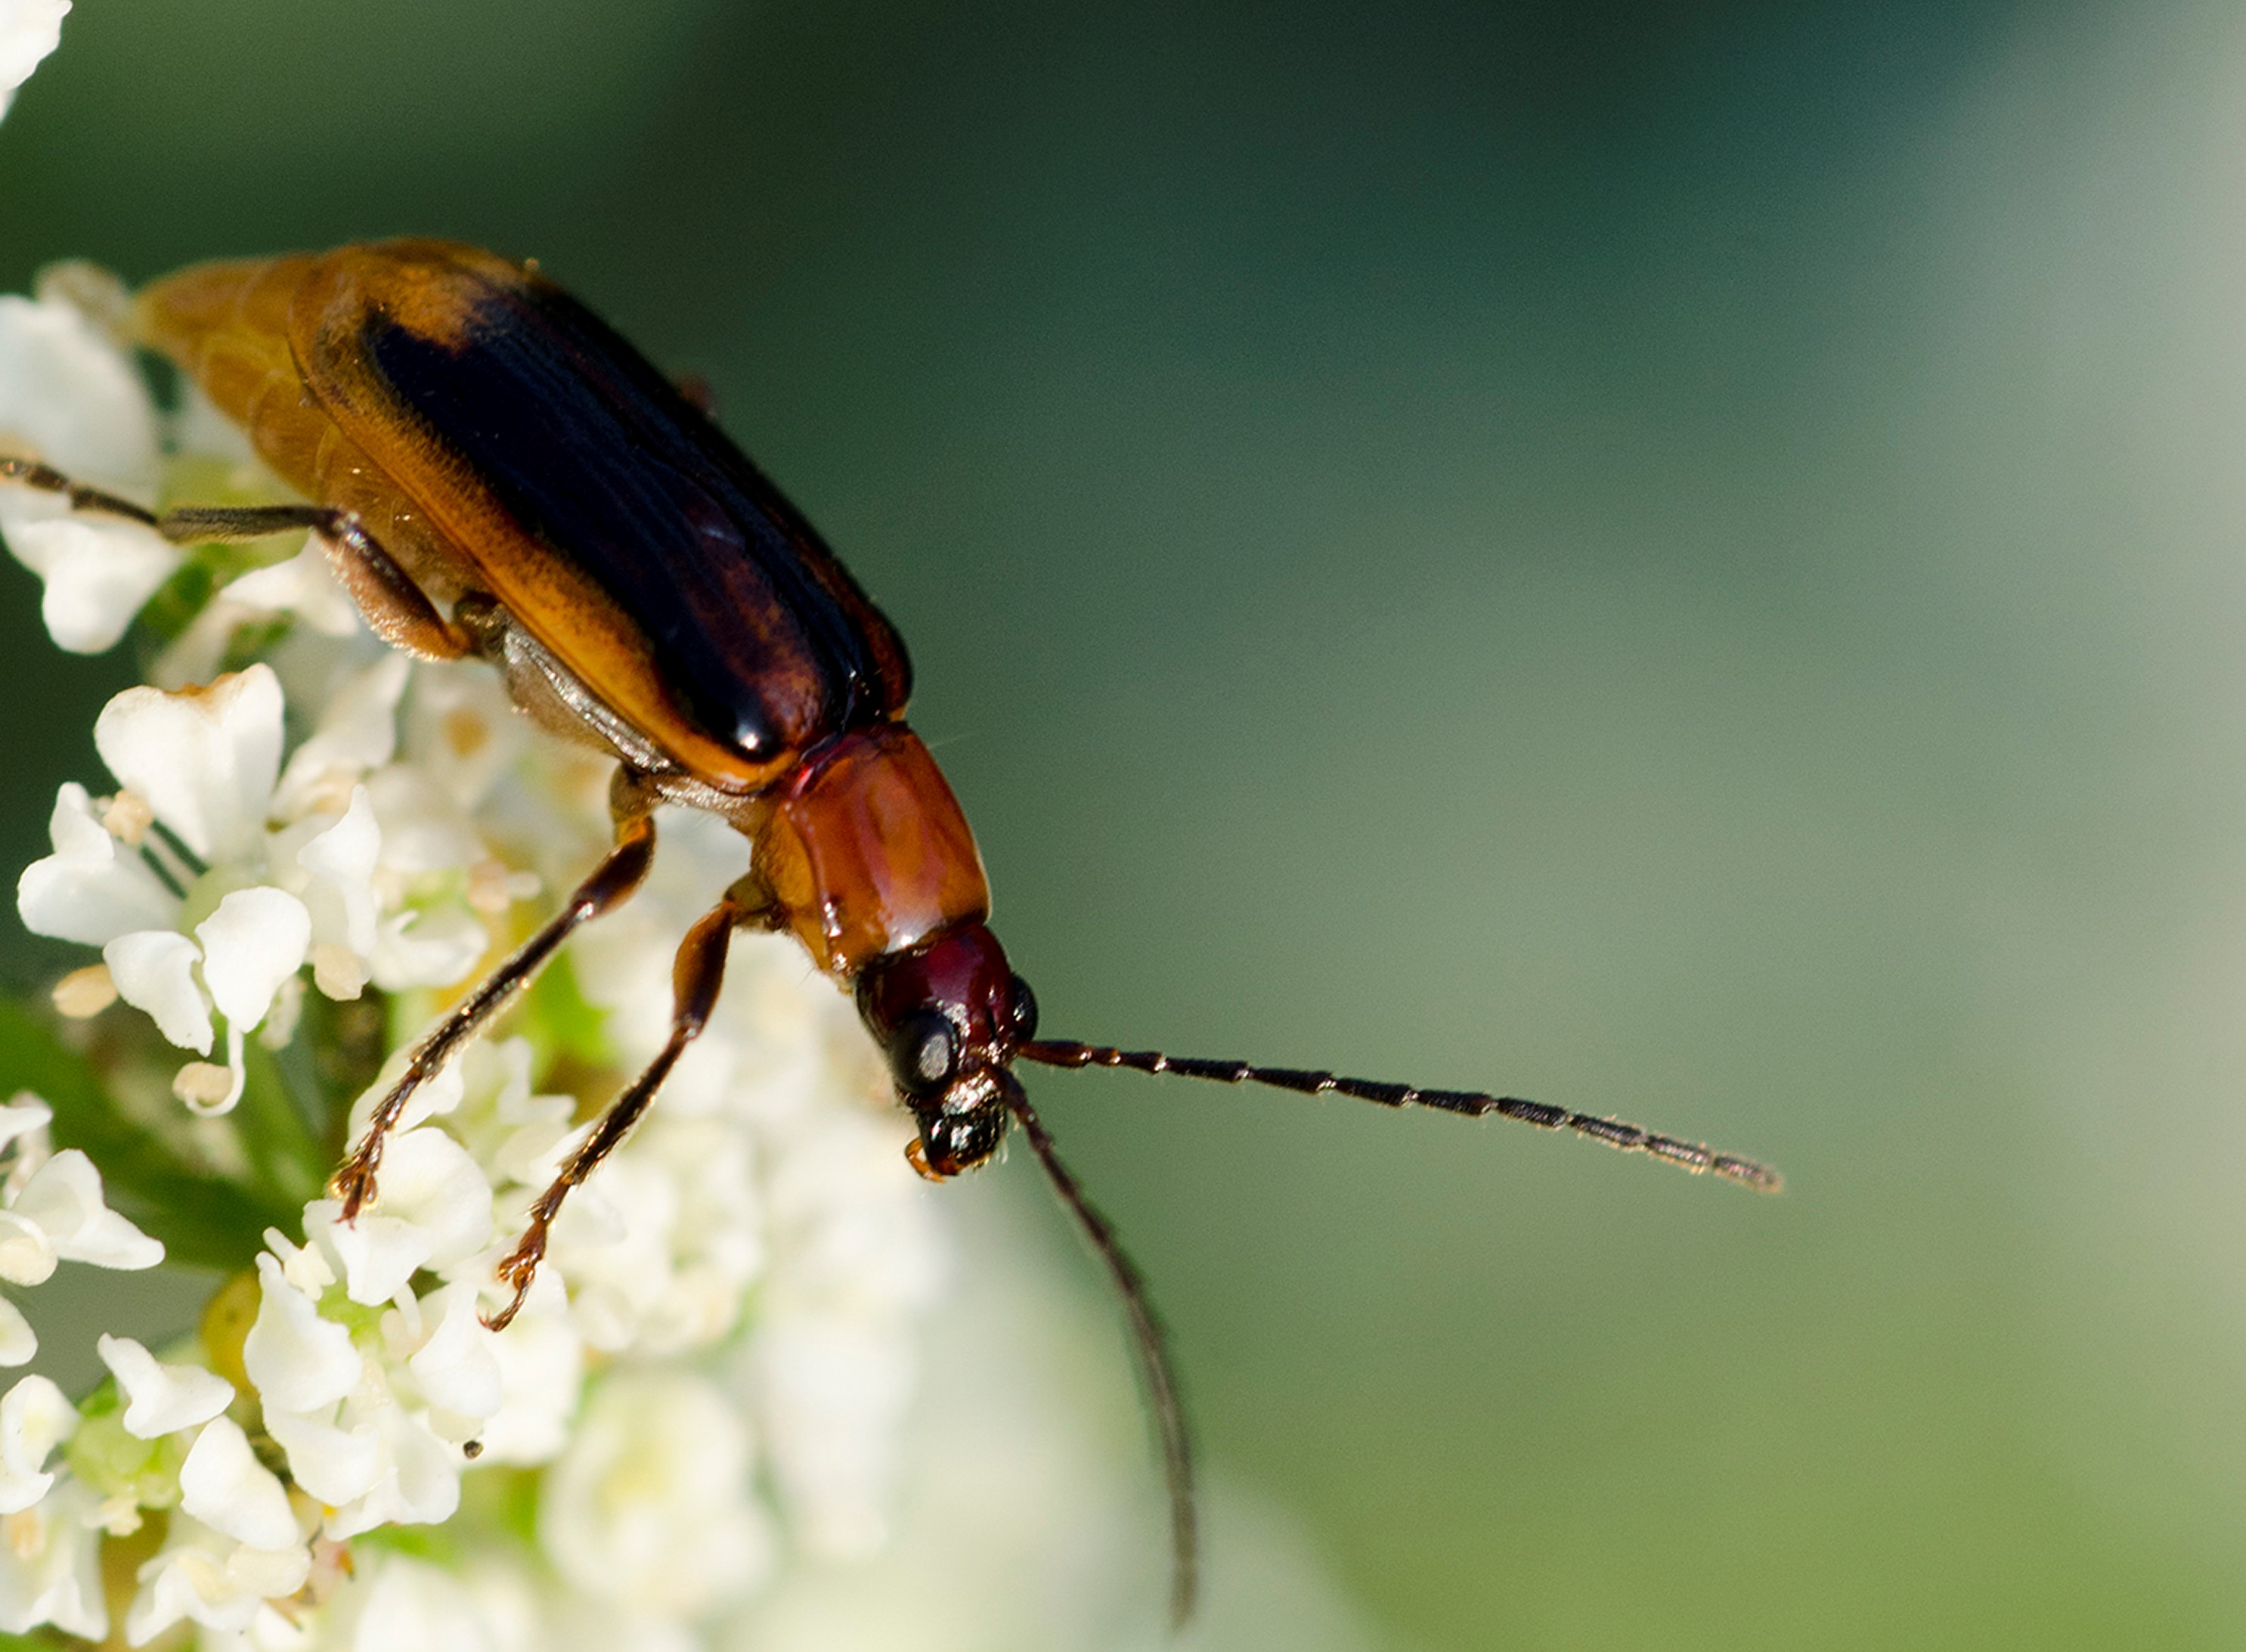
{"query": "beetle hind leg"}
(696, 974)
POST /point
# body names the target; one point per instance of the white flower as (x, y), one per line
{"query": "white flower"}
(417, 1476)
(71, 397)
(650, 1509)
(455, 1368)
(59, 1216)
(297, 1361)
(51, 1566)
(436, 1212)
(29, 30)
(224, 1486)
(161, 1399)
(204, 1577)
(56, 1213)
(34, 1419)
(205, 764)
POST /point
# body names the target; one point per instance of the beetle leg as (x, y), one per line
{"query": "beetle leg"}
(47, 479)
(695, 975)
(397, 610)
(609, 885)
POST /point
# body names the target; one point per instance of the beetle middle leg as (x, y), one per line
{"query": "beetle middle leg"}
(397, 610)
(695, 976)
(611, 884)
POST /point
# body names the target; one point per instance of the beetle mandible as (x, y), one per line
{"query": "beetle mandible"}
(494, 472)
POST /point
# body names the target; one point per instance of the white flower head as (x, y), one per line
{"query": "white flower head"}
(29, 30)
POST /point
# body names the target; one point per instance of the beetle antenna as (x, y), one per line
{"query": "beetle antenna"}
(1629, 1138)
(1152, 1345)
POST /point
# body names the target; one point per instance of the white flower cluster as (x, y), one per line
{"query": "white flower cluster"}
(674, 1443)
(367, 1385)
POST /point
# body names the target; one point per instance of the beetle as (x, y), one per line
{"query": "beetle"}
(493, 471)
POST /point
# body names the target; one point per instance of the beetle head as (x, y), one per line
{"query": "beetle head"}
(949, 1014)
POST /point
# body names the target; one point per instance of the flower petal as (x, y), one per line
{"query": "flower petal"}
(379, 1251)
(429, 1180)
(342, 861)
(223, 1484)
(334, 1465)
(255, 940)
(298, 1361)
(27, 1256)
(304, 586)
(98, 570)
(204, 759)
(92, 889)
(34, 29)
(541, 1363)
(357, 730)
(68, 394)
(427, 949)
(154, 971)
(649, 1508)
(161, 1399)
(51, 1567)
(64, 1198)
(18, 1342)
(456, 1369)
(24, 1113)
(34, 1419)
(419, 1484)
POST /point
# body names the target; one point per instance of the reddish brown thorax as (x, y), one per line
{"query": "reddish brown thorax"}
(866, 853)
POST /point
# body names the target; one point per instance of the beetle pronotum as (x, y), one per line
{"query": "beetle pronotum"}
(493, 471)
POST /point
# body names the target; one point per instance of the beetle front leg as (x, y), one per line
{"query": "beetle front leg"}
(695, 976)
(611, 884)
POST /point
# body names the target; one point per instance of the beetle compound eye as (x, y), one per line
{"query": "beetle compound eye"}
(1024, 1011)
(927, 1051)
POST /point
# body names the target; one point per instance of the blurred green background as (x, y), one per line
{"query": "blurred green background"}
(1677, 561)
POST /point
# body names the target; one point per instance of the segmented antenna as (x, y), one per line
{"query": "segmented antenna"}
(1152, 1344)
(1629, 1138)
